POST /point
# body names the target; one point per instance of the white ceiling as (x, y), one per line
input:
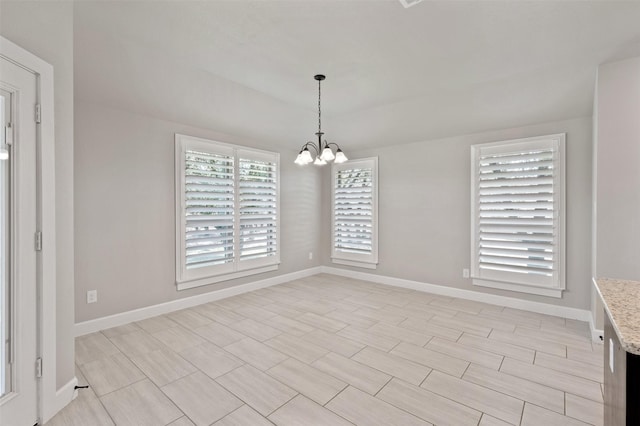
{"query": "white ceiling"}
(394, 75)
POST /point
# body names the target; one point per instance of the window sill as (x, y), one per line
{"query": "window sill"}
(365, 265)
(184, 285)
(520, 288)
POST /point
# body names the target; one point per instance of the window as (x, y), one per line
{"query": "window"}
(227, 211)
(518, 215)
(355, 213)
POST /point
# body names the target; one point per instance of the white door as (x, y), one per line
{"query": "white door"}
(18, 295)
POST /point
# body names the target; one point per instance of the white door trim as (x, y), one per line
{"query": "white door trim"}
(50, 401)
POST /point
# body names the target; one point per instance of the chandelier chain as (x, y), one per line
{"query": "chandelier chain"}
(319, 110)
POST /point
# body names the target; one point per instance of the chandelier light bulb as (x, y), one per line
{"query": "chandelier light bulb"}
(327, 154)
(306, 156)
(319, 161)
(340, 157)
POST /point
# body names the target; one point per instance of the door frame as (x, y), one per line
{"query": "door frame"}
(50, 400)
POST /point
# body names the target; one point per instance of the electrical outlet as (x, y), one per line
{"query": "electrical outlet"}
(310, 255)
(92, 296)
(465, 273)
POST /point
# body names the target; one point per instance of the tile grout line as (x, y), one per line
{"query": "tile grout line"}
(423, 380)
(548, 386)
(465, 405)
(100, 401)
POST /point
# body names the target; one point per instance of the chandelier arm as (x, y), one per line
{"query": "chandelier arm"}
(331, 143)
(312, 145)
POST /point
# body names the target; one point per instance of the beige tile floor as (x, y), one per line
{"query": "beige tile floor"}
(328, 350)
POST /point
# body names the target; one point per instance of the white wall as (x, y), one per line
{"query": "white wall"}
(424, 202)
(617, 207)
(125, 214)
(46, 30)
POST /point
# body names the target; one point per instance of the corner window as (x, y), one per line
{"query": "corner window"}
(355, 213)
(227, 211)
(518, 215)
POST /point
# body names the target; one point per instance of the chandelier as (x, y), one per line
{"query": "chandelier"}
(323, 152)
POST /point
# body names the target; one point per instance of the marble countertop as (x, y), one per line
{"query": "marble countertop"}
(622, 302)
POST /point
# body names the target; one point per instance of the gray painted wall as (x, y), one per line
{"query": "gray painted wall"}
(46, 30)
(424, 204)
(618, 170)
(125, 217)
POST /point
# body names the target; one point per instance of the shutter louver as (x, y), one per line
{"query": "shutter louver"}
(517, 215)
(209, 209)
(353, 211)
(257, 192)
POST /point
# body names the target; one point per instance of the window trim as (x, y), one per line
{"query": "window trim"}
(559, 176)
(354, 259)
(235, 269)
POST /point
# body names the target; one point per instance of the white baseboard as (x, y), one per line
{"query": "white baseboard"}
(596, 334)
(64, 396)
(511, 302)
(115, 320)
(103, 323)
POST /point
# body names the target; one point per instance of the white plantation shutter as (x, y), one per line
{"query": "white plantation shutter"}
(226, 211)
(518, 215)
(354, 214)
(209, 209)
(353, 211)
(257, 192)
